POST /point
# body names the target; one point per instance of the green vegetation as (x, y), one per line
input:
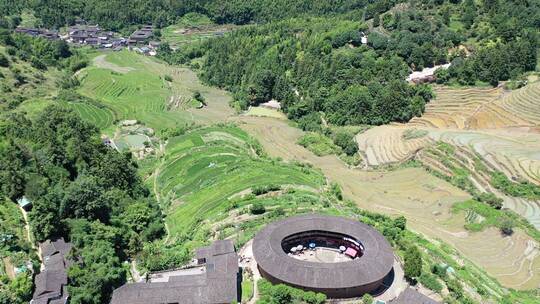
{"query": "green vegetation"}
(131, 86)
(17, 257)
(414, 134)
(117, 14)
(200, 175)
(192, 27)
(523, 188)
(319, 144)
(334, 140)
(505, 220)
(412, 263)
(283, 294)
(80, 190)
(259, 63)
(247, 290)
(367, 299)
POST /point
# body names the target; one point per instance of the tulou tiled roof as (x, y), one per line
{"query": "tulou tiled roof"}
(216, 285)
(374, 265)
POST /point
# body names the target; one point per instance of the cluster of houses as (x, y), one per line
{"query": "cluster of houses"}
(35, 32)
(92, 35)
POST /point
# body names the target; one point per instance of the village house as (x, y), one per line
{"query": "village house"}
(141, 35)
(48, 34)
(51, 282)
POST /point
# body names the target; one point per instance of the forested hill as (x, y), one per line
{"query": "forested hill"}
(119, 14)
(319, 65)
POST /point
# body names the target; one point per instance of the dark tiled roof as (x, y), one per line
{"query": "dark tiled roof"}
(374, 265)
(51, 282)
(410, 296)
(218, 284)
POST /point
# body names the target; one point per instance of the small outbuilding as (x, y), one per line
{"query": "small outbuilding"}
(24, 203)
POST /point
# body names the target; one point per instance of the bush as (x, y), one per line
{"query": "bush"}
(430, 282)
(283, 294)
(439, 270)
(4, 62)
(490, 199)
(413, 263)
(506, 226)
(259, 190)
(257, 208)
(367, 299)
(168, 78)
(346, 142)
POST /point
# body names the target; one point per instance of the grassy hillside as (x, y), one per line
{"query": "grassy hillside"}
(25, 88)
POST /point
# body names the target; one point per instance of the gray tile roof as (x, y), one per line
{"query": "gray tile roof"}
(374, 265)
(218, 284)
(410, 296)
(51, 282)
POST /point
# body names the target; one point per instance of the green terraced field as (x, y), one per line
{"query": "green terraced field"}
(102, 117)
(205, 167)
(132, 87)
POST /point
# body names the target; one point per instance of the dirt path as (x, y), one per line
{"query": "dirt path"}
(248, 261)
(423, 199)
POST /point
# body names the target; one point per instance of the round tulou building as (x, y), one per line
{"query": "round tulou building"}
(339, 257)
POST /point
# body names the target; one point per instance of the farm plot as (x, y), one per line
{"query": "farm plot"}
(140, 91)
(423, 199)
(205, 167)
(102, 117)
(473, 108)
(192, 28)
(389, 144)
(468, 170)
(524, 103)
(514, 152)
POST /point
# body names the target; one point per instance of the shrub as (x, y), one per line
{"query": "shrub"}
(168, 78)
(257, 208)
(4, 62)
(259, 190)
(490, 199)
(367, 299)
(439, 270)
(430, 282)
(346, 142)
(413, 263)
(506, 226)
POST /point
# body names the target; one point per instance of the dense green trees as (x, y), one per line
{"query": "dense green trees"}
(81, 190)
(120, 14)
(283, 294)
(412, 263)
(312, 65)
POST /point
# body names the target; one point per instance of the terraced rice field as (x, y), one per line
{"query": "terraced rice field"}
(524, 103)
(102, 117)
(515, 153)
(465, 158)
(480, 108)
(140, 92)
(204, 168)
(424, 200)
(386, 144)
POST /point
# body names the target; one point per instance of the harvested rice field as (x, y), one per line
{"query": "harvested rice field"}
(481, 108)
(423, 199)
